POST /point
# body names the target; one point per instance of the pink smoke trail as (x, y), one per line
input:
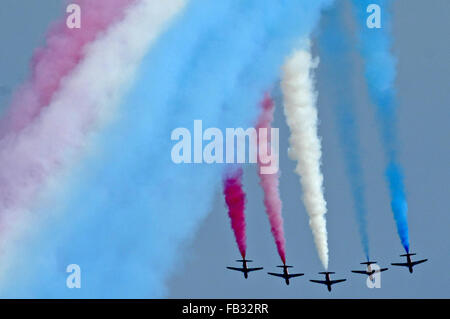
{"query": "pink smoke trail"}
(51, 64)
(235, 199)
(270, 182)
(38, 156)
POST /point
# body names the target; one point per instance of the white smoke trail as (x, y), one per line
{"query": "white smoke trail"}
(86, 101)
(305, 147)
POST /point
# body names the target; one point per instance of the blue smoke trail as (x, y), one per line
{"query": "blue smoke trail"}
(335, 59)
(129, 209)
(380, 72)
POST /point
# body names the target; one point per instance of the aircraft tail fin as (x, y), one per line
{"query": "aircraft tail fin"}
(368, 263)
(242, 260)
(326, 272)
(286, 266)
(406, 255)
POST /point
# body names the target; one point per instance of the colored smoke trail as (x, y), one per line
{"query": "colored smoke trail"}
(64, 49)
(235, 199)
(270, 182)
(131, 208)
(380, 73)
(335, 59)
(300, 109)
(55, 140)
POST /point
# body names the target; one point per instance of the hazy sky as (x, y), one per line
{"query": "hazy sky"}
(422, 46)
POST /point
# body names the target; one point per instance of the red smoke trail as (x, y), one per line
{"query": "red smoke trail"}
(51, 64)
(270, 182)
(235, 199)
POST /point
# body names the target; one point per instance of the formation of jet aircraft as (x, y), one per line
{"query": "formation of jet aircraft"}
(410, 264)
(370, 270)
(285, 275)
(244, 268)
(328, 282)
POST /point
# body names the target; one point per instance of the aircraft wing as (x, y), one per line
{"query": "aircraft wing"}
(400, 264)
(275, 274)
(337, 281)
(253, 269)
(360, 272)
(419, 262)
(382, 269)
(237, 269)
(295, 275)
(323, 282)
